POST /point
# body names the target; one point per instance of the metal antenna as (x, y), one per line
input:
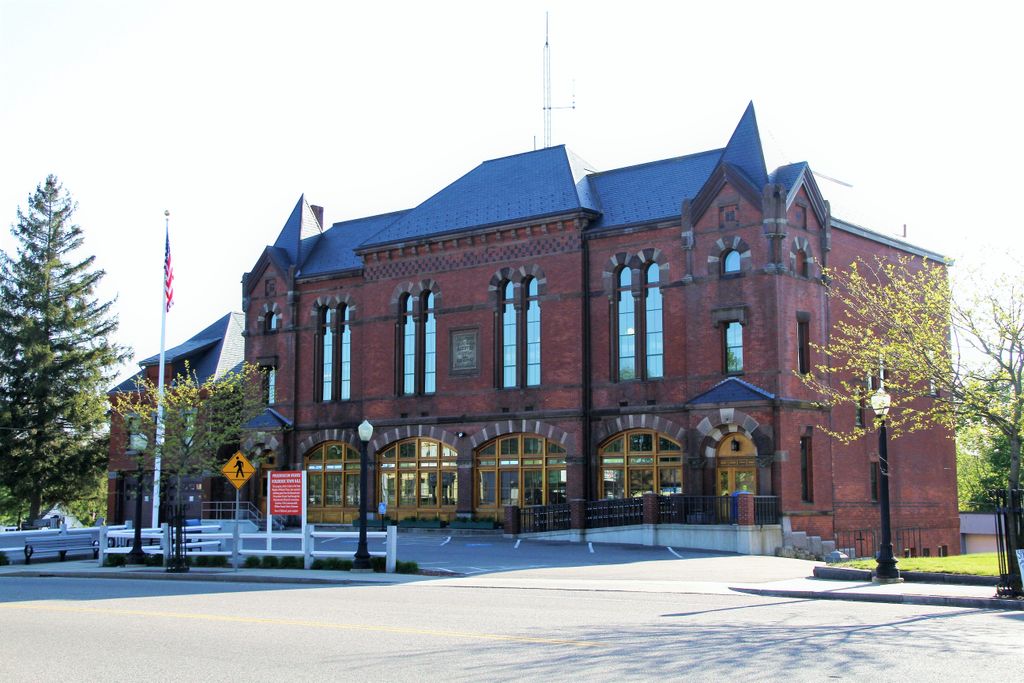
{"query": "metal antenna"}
(547, 87)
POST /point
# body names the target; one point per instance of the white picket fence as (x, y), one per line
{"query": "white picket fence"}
(213, 540)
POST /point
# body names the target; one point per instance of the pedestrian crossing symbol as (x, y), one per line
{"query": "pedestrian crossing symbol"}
(238, 469)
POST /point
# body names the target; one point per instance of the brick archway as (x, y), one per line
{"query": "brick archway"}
(548, 431)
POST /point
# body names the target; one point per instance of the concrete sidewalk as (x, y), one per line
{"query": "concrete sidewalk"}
(943, 595)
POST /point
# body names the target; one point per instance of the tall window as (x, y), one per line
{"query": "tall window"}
(637, 462)
(332, 482)
(409, 347)
(270, 322)
(270, 385)
(508, 337)
(418, 477)
(803, 346)
(627, 329)
(873, 473)
(731, 262)
(520, 335)
(429, 346)
(806, 470)
(532, 335)
(417, 341)
(802, 268)
(733, 342)
(335, 349)
(652, 302)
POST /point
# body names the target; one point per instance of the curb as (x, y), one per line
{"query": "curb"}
(844, 574)
(895, 598)
(189, 576)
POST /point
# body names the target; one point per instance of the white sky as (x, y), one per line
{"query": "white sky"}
(225, 112)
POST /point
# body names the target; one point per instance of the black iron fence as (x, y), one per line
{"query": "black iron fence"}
(696, 510)
(614, 512)
(766, 510)
(1009, 534)
(544, 518)
(861, 543)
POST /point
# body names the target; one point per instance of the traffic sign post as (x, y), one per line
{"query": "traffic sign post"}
(238, 470)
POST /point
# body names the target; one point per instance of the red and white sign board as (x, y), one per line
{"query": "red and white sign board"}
(286, 493)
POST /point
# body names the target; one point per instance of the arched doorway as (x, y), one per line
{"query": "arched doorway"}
(418, 478)
(518, 469)
(639, 461)
(736, 464)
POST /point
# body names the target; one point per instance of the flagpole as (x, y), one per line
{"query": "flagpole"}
(160, 377)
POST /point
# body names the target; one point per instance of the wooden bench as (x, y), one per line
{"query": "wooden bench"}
(61, 545)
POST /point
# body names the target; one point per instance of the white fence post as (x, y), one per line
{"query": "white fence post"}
(237, 545)
(392, 548)
(102, 542)
(307, 545)
(165, 542)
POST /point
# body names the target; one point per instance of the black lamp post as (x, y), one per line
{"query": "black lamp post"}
(362, 558)
(885, 570)
(135, 555)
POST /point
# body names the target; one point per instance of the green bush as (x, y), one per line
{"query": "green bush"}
(334, 563)
(252, 562)
(378, 564)
(271, 562)
(115, 560)
(211, 561)
(154, 560)
(291, 562)
(318, 564)
(406, 567)
(3, 560)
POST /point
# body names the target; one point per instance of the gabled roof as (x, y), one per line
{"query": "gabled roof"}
(545, 182)
(214, 351)
(732, 390)
(789, 176)
(744, 149)
(268, 420)
(335, 251)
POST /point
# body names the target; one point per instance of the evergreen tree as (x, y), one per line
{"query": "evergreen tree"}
(56, 357)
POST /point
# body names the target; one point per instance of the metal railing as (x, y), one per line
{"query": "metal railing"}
(1009, 536)
(537, 518)
(863, 543)
(225, 509)
(617, 512)
(766, 510)
(696, 510)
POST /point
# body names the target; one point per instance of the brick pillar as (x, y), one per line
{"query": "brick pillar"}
(577, 513)
(512, 520)
(745, 509)
(651, 512)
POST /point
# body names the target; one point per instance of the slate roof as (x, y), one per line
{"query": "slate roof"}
(214, 351)
(335, 250)
(269, 420)
(544, 182)
(531, 186)
(732, 390)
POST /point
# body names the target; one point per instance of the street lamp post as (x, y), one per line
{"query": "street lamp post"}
(362, 557)
(885, 570)
(136, 554)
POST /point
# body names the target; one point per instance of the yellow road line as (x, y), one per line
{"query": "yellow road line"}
(300, 622)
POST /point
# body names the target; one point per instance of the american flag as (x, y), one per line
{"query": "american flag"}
(168, 275)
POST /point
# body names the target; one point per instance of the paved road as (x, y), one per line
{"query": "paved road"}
(465, 629)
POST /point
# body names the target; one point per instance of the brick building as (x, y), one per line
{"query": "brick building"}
(540, 331)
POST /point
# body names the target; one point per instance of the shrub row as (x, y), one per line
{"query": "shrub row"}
(378, 564)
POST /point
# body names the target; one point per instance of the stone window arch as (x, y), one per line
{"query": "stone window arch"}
(733, 251)
(800, 259)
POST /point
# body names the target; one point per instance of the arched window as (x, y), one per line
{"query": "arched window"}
(408, 346)
(417, 345)
(327, 354)
(637, 462)
(518, 469)
(731, 262)
(801, 263)
(509, 336)
(429, 345)
(334, 348)
(627, 326)
(271, 321)
(532, 334)
(519, 334)
(418, 478)
(652, 302)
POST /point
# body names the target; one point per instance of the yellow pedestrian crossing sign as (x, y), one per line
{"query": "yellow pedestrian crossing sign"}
(238, 469)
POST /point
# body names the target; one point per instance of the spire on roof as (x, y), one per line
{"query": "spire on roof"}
(301, 224)
(744, 149)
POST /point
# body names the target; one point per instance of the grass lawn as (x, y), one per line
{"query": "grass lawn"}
(979, 564)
